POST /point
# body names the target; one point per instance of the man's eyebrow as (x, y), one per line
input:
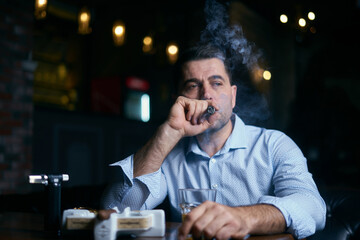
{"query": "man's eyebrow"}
(216, 77)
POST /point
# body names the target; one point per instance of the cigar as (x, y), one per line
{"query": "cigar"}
(210, 110)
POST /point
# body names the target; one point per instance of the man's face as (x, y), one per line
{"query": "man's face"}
(207, 80)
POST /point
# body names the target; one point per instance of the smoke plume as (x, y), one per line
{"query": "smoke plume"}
(241, 57)
(230, 39)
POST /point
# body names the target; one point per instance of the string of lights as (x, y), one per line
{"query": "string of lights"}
(118, 30)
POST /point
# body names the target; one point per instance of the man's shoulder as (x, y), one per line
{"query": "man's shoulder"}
(239, 124)
(262, 132)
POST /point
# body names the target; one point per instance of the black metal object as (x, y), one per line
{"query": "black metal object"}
(52, 184)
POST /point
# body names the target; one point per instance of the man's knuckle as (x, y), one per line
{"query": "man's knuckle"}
(190, 218)
(197, 226)
(209, 233)
(218, 208)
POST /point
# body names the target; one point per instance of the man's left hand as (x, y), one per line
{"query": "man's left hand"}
(214, 220)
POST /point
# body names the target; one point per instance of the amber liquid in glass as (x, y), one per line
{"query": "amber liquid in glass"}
(185, 209)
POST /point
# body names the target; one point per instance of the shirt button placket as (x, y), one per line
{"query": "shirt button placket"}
(212, 176)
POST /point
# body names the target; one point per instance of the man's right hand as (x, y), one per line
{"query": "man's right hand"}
(186, 116)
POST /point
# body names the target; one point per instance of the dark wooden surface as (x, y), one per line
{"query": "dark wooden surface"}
(30, 226)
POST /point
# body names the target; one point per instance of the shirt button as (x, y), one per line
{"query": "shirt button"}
(214, 186)
(213, 160)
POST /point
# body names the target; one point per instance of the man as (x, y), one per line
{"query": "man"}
(263, 185)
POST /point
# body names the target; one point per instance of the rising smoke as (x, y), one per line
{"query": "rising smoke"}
(241, 57)
(229, 38)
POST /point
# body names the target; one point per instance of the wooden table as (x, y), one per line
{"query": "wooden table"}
(30, 226)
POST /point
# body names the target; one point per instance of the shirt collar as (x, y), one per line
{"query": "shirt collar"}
(236, 140)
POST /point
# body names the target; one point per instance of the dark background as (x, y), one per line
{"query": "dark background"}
(313, 95)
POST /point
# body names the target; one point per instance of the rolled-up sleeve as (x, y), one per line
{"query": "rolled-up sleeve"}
(301, 215)
(140, 193)
(296, 194)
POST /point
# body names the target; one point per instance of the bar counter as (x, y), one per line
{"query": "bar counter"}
(30, 226)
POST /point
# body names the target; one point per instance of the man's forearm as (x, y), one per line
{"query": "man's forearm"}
(150, 157)
(264, 218)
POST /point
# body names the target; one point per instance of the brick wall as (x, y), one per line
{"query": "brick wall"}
(16, 107)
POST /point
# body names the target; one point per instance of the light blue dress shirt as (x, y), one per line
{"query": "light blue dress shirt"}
(254, 166)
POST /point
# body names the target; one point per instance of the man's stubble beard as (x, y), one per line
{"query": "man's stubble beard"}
(218, 125)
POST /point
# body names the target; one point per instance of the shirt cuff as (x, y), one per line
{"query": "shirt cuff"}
(297, 221)
(152, 180)
(278, 204)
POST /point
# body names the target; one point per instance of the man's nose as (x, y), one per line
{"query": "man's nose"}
(206, 93)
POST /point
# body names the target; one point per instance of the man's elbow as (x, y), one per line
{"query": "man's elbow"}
(320, 217)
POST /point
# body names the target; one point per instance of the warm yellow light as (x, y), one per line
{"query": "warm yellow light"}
(311, 15)
(41, 3)
(40, 9)
(172, 52)
(302, 22)
(283, 18)
(119, 33)
(267, 75)
(84, 18)
(172, 49)
(147, 40)
(119, 30)
(147, 44)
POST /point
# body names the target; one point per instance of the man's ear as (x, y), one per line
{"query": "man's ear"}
(233, 93)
